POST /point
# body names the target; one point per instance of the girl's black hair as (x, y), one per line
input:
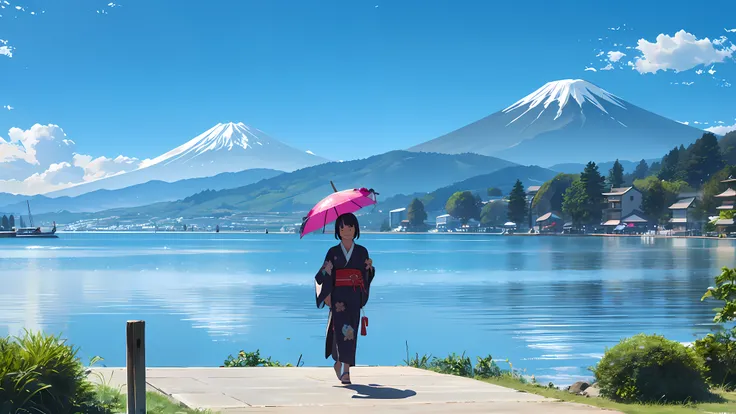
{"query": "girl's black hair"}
(347, 219)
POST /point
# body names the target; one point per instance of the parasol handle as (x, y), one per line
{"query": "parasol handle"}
(333, 186)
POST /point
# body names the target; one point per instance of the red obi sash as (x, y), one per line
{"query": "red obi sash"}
(349, 277)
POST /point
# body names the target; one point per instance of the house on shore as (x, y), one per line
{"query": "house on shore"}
(446, 222)
(728, 201)
(634, 223)
(550, 223)
(683, 220)
(395, 217)
(620, 202)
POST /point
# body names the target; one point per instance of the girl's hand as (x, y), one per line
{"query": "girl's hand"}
(369, 264)
(328, 267)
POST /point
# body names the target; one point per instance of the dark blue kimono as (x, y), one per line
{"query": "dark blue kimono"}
(343, 323)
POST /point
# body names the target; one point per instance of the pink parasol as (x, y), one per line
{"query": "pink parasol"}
(334, 205)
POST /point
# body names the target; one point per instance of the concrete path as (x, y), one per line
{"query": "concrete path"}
(311, 390)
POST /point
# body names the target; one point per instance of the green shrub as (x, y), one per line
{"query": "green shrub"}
(487, 368)
(41, 374)
(718, 352)
(650, 368)
(253, 359)
(453, 364)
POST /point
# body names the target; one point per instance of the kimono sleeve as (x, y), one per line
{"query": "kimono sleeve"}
(368, 275)
(323, 284)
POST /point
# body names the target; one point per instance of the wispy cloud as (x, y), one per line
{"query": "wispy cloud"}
(614, 56)
(721, 129)
(730, 30)
(589, 69)
(8, 107)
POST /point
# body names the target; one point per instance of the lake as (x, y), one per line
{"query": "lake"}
(549, 304)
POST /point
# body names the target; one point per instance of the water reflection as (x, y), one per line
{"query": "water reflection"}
(550, 304)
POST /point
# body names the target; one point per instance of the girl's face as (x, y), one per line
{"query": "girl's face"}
(347, 232)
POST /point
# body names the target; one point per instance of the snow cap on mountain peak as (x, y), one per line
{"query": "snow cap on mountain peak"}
(561, 91)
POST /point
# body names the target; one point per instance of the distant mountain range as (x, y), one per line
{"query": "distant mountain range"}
(389, 174)
(223, 148)
(567, 121)
(136, 195)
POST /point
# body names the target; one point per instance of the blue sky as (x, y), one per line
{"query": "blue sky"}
(344, 79)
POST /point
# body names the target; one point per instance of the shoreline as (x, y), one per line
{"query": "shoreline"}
(477, 234)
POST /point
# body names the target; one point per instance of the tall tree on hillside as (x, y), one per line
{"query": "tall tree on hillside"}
(517, 204)
(11, 220)
(616, 175)
(704, 159)
(593, 183)
(463, 205)
(415, 213)
(668, 171)
(575, 203)
(5, 223)
(494, 192)
(493, 214)
(658, 196)
(728, 148)
(551, 193)
(641, 170)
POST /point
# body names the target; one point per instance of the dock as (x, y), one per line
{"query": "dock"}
(306, 390)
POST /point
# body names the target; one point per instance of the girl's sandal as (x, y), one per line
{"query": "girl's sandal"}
(345, 381)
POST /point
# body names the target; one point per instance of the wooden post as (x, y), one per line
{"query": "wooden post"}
(136, 358)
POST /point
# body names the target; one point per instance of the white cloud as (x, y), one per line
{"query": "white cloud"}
(609, 66)
(699, 72)
(730, 30)
(711, 71)
(589, 69)
(615, 28)
(615, 56)
(102, 167)
(680, 52)
(721, 129)
(684, 122)
(8, 107)
(6, 50)
(43, 159)
(601, 53)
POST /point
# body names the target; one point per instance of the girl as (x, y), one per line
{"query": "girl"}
(343, 284)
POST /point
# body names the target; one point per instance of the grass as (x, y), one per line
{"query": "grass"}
(728, 406)
(113, 400)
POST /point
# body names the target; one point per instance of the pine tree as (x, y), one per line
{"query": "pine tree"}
(12, 221)
(517, 204)
(593, 183)
(704, 159)
(641, 170)
(616, 175)
(415, 213)
(5, 223)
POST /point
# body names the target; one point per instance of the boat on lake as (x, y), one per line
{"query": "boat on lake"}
(32, 231)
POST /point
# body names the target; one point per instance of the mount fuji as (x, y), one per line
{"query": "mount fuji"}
(224, 148)
(569, 120)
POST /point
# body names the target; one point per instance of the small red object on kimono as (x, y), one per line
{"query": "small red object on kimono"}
(363, 325)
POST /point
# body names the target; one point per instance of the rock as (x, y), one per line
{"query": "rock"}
(592, 391)
(578, 387)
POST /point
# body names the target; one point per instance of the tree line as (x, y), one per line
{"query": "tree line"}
(579, 197)
(7, 223)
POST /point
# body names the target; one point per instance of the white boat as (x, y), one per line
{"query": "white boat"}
(32, 231)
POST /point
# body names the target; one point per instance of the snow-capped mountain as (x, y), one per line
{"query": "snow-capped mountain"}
(227, 147)
(569, 120)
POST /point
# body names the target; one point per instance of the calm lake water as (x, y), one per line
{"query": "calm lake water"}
(549, 304)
